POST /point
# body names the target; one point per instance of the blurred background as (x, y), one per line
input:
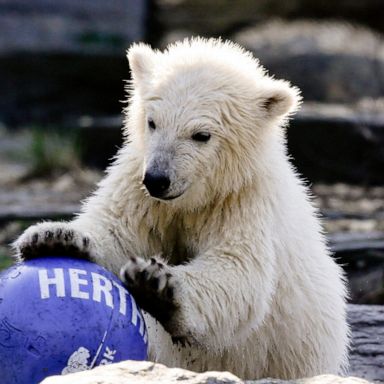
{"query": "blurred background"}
(62, 72)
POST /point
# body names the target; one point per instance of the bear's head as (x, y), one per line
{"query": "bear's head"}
(202, 115)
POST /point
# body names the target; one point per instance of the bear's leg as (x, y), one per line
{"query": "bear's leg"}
(153, 286)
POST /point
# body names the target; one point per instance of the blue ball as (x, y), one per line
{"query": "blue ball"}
(62, 315)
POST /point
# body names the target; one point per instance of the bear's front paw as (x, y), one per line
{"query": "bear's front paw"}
(153, 286)
(52, 239)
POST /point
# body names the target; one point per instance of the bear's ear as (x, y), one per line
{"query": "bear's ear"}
(280, 99)
(141, 59)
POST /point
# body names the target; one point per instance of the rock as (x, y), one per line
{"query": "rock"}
(69, 26)
(201, 17)
(142, 372)
(367, 352)
(332, 379)
(356, 242)
(49, 88)
(319, 58)
(54, 199)
(334, 143)
(65, 58)
(346, 201)
(222, 18)
(362, 257)
(99, 139)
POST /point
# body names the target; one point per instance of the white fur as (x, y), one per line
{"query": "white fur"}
(259, 294)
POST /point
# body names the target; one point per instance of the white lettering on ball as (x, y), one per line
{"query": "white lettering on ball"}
(102, 285)
(122, 298)
(76, 282)
(57, 281)
(136, 316)
(102, 290)
(109, 356)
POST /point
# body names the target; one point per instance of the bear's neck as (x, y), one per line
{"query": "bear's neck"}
(181, 235)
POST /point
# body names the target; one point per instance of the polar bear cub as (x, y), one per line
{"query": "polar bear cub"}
(209, 224)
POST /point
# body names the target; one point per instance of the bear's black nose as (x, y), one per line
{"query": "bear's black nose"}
(156, 183)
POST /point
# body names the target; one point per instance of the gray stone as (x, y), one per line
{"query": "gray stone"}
(53, 198)
(362, 256)
(320, 58)
(70, 26)
(331, 143)
(350, 208)
(99, 139)
(350, 241)
(222, 17)
(367, 352)
(142, 372)
(65, 58)
(49, 88)
(322, 379)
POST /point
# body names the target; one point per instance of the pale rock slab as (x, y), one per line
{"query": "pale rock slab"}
(143, 372)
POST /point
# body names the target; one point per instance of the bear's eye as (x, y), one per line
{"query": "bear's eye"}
(151, 124)
(201, 136)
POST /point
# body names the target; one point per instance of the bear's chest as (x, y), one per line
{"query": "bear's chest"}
(174, 243)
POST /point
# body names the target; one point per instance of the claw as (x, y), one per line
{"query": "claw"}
(143, 275)
(35, 238)
(68, 235)
(48, 235)
(170, 293)
(85, 242)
